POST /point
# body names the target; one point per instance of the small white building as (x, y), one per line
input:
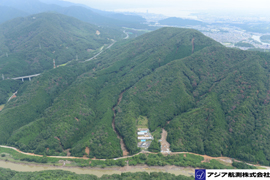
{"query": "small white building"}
(141, 133)
(146, 138)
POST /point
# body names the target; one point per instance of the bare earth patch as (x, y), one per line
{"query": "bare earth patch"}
(68, 153)
(87, 150)
(165, 146)
(2, 107)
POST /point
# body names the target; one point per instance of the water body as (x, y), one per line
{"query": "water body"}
(257, 38)
(98, 171)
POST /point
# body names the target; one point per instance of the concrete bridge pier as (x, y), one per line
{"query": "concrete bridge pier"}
(22, 80)
(29, 78)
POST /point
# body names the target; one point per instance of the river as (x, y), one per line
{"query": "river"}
(258, 38)
(99, 171)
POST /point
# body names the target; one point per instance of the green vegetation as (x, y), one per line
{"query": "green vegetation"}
(154, 146)
(142, 122)
(157, 133)
(243, 44)
(216, 99)
(183, 160)
(71, 107)
(240, 165)
(7, 174)
(265, 38)
(8, 87)
(29, 45)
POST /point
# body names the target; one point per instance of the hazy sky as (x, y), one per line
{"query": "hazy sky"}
(169, 7)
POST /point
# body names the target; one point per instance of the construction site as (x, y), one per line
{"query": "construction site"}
(165, 146)
(144, 137)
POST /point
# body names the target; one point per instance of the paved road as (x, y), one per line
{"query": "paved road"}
(100, 52)
(12, 96)
(126, 34)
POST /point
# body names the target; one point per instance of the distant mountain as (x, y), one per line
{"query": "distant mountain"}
(29, 45)
(8, 13)
(174, 21)
(61, 3)
(128, 18)
(29, 6)
(110, 20)
(83, 13)
(118, 16)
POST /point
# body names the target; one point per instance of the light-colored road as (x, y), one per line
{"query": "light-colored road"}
(12, 96)
(207, 158)
(126, 34)
(100, 52)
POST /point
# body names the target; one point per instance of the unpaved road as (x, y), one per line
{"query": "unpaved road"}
(123, 147)
(206, 158)
(165, 146)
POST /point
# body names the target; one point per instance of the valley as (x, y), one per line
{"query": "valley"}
(201, 104)
(141, 77)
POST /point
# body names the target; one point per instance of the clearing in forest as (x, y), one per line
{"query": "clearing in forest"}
(2, 107)
(142, 122)
(165, 146)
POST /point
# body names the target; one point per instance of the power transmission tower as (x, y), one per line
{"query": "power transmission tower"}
(53, 63)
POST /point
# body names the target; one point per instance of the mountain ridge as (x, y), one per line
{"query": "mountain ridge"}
(211, 99)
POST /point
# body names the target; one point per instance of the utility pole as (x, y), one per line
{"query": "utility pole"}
(53, 63)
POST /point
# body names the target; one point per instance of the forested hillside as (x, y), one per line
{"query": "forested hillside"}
(211, 99)
(7, 88)
(29, 45)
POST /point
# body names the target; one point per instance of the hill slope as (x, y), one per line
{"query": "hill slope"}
(73, 104)
(29, 45)
(8, 13)
(211, 99)
(83, 13)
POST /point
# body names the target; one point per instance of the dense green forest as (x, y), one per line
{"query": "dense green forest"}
(7, 174)
(211, 99)
(8, 87)
(29, 45)
(71, 106)
(243, 44)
